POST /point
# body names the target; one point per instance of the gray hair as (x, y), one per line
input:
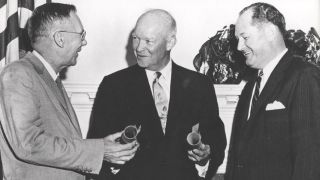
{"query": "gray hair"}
(44, 16)
(263, 12)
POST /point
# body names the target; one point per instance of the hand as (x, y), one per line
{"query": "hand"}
(201, 155)
(117, 153)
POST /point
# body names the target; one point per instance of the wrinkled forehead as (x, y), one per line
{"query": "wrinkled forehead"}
(243, 22)
(151, 25)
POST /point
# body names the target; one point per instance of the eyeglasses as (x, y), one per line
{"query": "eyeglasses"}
(82, 34)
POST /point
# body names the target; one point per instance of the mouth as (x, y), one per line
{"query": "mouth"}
(141, 56)
(246, 53)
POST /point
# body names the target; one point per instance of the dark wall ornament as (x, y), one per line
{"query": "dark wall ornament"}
(306, 45)
(219, 58)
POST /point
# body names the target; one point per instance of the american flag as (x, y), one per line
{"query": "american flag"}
(14, 40)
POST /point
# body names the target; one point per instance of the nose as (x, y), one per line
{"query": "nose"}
(84, 42)
(240, 44)
(138, 45)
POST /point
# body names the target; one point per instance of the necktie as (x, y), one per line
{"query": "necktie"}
(60, 87)
(160, 100)
(256, 91)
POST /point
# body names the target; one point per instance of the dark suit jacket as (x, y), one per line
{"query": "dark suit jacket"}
(279, 144)
(125, 98)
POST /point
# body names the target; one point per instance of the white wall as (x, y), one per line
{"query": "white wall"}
(108, 25)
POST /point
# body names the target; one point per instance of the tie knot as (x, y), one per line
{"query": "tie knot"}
(157, 75)
(58, 80)
(259, 76)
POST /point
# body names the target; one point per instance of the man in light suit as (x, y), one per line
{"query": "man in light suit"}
(127, 98)
(276, 130)
(40, 136)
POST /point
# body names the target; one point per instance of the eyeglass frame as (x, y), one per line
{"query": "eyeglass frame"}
(82, 34)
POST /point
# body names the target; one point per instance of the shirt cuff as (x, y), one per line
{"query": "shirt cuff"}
(202, 170)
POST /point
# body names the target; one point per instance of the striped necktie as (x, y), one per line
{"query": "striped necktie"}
(256, 91)
(160, 100)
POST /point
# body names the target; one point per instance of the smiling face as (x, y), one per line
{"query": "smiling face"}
(254, 41)
(151, 42)
(73, 41)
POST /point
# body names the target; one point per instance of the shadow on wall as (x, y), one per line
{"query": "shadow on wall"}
(130, 57)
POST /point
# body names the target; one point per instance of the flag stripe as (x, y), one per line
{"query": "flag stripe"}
(3, 18)
(8, 34)
(29, 4)
(24, 15)
(3, 2)
(14, 15)
(39, 2)
(12, 7)
(13, 50)
(24, 41)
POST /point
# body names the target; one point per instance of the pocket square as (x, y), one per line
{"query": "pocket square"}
(274, 106)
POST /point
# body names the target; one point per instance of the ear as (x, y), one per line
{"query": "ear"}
(171, 42)
(270, 31)
(58, 39)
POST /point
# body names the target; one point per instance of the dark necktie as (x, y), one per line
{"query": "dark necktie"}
(160, 100)
(256, 91)
(60, 87)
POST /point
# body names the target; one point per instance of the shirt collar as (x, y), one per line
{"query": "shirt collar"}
(165, 73)
(267, 70)
(48, 67)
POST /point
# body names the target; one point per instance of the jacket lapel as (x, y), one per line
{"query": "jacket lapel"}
(273, 82)
(145, 97)
(176, 98)
(246, 96)
(64, 104)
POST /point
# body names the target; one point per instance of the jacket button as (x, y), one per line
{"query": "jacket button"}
(239, 165)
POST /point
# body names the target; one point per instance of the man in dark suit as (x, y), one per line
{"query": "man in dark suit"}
(188, 98)
(276, 130)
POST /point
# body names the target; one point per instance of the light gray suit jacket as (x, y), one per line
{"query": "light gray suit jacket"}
(40, 136)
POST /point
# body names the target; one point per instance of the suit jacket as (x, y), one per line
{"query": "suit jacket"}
(279, 143)
(40, 135)
(125, 98)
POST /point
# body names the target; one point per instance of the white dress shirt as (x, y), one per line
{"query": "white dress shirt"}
(165, 82)
(267, 70)
(48, 67)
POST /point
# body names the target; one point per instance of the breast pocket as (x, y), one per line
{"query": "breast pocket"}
(276, 125)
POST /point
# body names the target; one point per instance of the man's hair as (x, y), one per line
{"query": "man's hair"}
(263, 12)
(44, 16)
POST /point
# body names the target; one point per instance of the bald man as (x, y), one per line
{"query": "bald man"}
(167, 101)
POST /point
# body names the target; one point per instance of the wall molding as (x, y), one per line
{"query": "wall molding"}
(84, 94)
(81, 95)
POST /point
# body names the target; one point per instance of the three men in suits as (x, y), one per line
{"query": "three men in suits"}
(40, 137)
(276, 130)
(133, 96)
